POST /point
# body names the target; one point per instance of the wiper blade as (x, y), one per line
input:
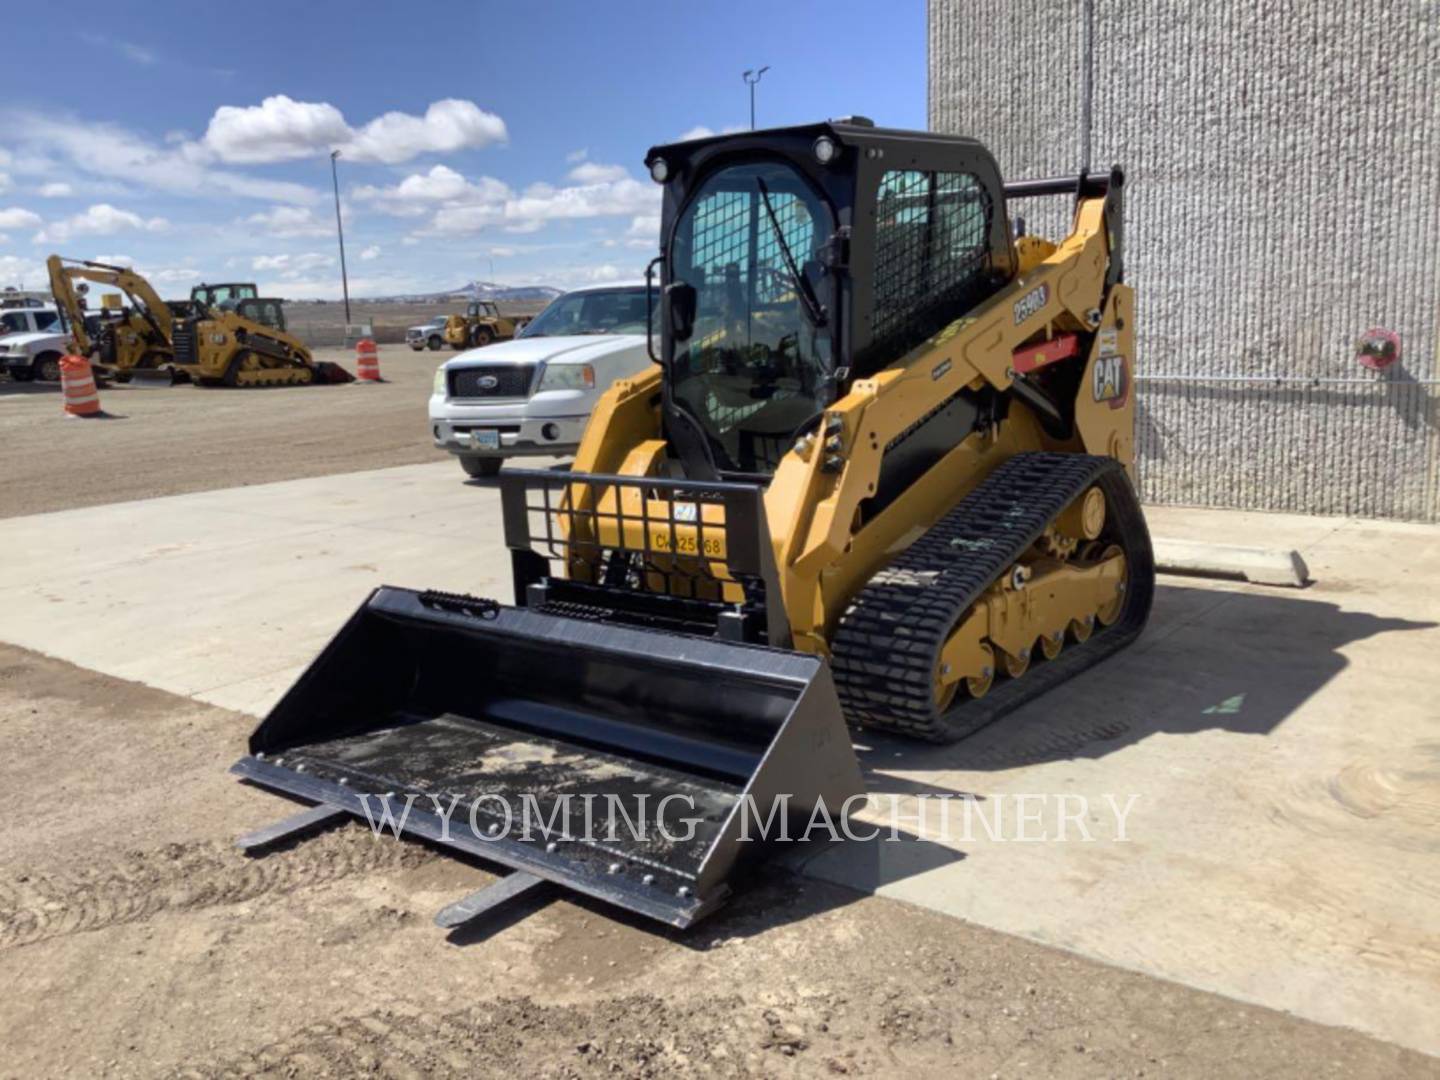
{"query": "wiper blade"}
(813, 310)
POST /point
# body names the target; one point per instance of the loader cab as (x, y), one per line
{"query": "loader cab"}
(794, 260)
(483, 309)
(224, 297)
(266, 311)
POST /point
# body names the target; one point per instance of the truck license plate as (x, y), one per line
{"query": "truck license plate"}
(485, 440)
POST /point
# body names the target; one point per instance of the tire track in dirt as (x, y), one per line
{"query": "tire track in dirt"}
(184, 877)
(633, 1035)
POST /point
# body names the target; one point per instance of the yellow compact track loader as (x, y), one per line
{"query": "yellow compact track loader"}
(234, 337)
(879, 475)
(481, 324)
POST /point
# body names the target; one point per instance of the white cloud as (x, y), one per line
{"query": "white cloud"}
(644, 232)
(457, 205)
(371, 252)
(422, 193)
(446, 127)
(544, 202)
(278, 129)
(282, 129)
(65, 145)
(577, 155)
(5, 182)
(102, 219)
(115, 260)
(56, 190)
(15, 271)
(137, 54)
(182, 276)
(700, 131)
(410, 241)
(292, 265)
(287, 222)
(18, 218)
(592, 172)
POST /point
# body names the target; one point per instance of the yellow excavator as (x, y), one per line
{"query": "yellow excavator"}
(224, 335)
(879, 476)
(118, 341)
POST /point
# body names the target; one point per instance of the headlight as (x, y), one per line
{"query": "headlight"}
(438, 386)
(568, 377)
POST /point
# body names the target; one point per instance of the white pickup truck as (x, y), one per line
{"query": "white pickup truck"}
(534, 395)
(32, 340)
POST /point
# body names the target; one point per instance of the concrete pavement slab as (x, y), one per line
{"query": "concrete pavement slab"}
(1258, 779)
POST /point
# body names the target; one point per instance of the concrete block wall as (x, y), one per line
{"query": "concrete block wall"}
(1284, 196)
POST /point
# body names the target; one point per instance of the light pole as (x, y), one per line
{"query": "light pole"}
(340, 230)
(752, 77)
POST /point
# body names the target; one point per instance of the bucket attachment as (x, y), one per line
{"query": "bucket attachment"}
(155, 378)
(329, 372)
(630, 765)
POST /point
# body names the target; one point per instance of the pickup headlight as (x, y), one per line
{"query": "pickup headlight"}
(438, 386)
(568, 377)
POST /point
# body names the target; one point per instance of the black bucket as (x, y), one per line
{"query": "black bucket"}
(624, 763)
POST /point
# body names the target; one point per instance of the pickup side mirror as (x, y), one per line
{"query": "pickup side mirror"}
(680, 298)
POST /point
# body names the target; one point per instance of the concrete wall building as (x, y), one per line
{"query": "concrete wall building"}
(1283, 197)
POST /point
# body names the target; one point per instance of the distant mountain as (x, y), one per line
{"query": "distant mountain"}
(483, 290)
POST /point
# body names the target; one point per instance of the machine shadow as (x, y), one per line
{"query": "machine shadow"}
(1209, 659)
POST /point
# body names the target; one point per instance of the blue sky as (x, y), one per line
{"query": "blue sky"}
(192, 139)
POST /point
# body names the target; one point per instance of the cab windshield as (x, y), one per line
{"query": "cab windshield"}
(597, 311)
(755, 367)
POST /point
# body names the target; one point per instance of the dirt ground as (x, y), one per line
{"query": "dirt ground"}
(136, 941)
(165, 441)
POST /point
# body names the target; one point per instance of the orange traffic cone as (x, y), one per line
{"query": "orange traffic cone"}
(367, 361)
(77, 381)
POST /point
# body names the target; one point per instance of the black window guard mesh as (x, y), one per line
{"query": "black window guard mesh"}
(932, 253)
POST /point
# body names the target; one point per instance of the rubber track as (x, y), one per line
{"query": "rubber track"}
(887, 644)
(184, 877)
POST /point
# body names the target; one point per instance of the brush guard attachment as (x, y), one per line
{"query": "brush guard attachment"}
(512, 722)
(685, 556)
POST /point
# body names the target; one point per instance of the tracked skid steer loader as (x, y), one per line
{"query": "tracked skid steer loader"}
(878, 476)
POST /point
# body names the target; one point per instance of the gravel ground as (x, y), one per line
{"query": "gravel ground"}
(166, 441)
(136, 941)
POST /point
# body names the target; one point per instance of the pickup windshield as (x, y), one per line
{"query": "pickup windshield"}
(602, 311)
(756, 365)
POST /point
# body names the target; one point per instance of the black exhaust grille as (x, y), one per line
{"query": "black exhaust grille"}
(187, 350)
(491, 381)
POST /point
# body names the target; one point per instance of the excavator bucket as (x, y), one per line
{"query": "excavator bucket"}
(635, 766)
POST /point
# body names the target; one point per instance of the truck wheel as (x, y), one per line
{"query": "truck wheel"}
(477, 467)
(47, 367)
(435, 343)
(482, 337)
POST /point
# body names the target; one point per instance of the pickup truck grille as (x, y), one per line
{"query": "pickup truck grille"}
(492, 381)
(182, 337)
